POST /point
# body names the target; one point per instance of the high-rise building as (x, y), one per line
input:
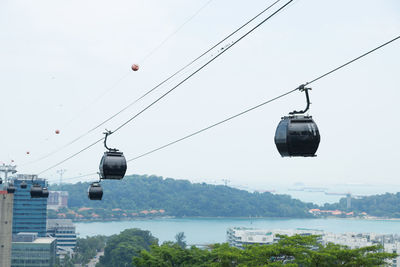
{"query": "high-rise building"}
(6, 216)
(64, 231)
(30, 250)
(57, 200)
(29, 214)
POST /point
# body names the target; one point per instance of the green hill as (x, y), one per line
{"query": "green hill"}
(385, 205)
(181, 198)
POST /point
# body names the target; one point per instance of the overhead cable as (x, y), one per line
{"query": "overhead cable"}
(173, 88)
(154, 88)
(263, 103)
(175, 32)
(72, 156)
(202, 67)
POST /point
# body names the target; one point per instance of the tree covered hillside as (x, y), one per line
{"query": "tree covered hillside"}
(182, 198)
(385, 205)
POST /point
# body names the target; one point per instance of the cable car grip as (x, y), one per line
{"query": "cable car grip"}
(107, 133)
(303, 88)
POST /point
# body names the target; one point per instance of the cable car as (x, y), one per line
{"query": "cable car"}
(11, 189)
(45, 192)
(95, 192)
(297, 135)
(36, 191)
(113, 163)
(1, 180)
(23, 185)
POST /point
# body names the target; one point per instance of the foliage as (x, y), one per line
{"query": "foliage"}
(385, 205)
(289, 251)
(66, 262)
(181, 198)
(180, 239)
(87, 248)
(121, 248)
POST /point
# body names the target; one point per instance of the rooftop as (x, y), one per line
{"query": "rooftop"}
(39, 240)
(59, 222)
(44, 240)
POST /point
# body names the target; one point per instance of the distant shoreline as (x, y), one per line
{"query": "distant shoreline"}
(186, 217)
(369, 218)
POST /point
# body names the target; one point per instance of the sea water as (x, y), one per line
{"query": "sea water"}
(200, 231)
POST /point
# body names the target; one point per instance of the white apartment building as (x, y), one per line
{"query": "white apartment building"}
(64, 231)
(240, 236)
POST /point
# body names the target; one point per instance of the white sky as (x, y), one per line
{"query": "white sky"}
(58, 57)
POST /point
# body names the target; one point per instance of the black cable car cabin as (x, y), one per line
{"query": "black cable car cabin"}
(10, 189)
(95, 192)
(45, 192)
(113, 163)
(36, 191)
(297, 135)
(23, 185)
(1, 180)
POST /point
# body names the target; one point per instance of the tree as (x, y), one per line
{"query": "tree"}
(87, 248)
(289, 251)
(180, 239)
(121, 248)
(65, 262)
(171, 254)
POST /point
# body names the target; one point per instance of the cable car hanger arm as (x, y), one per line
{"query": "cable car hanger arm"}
(107, 133)
(303, 88)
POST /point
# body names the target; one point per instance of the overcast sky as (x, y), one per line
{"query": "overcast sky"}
(66, 65)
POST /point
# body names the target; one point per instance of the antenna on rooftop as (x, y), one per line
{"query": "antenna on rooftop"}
(61, 173)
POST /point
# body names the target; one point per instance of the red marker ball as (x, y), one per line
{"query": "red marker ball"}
(57, 131)
(135, 67)
(27, 152)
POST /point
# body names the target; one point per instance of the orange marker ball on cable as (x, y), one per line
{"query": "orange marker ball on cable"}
(135, 67)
